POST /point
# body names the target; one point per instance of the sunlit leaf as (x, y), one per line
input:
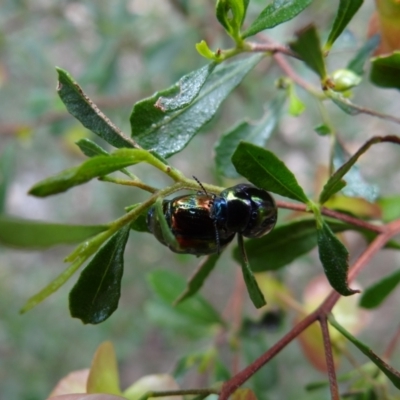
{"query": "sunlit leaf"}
(169, 132)
(277, 12)
(346, 11)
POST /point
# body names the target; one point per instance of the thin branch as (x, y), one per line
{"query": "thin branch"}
(334, 214)
(330, 363)
(271, 48)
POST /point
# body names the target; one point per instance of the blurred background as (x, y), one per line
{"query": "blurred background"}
(121, 51)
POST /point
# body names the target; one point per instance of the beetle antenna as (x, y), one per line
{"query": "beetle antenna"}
(201, 185)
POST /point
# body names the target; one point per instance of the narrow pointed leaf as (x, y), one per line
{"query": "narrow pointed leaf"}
(333, 184)
(84, 110)
(253, 289)
(30, 234)
(385, 71)
(277, 12)
(257, 133)
(356, 64)
(390, 372)
(90, 148)
(265, 170)
(103, 376)
(92, 168)
(96, 294)
(334, 258)
(168, 133)
(197, 280)
(346, 11)
(168, 286)
(308, 47)
(374, 295)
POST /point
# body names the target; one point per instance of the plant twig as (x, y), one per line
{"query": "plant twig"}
(333, 385)
(334, 214)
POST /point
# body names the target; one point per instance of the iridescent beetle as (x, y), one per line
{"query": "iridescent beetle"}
(205, 223)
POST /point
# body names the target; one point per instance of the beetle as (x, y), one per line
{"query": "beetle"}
(206, 223)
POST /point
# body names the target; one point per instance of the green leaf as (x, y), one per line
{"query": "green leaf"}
(334, 258)
(203, 49)
(90, 148)
(231, 14)
(189, 88)
(333, 184)
(103, 376)
(168, 133)
(276, 13)
(345, 13)
(168, 287)
(390, 372)
(308, 47)
(84, 110)
(357, 63)
(344, 104)
(96, 294)
(374, 295)
(253, 289)
(296, 106)
(385, 71)
(197, 280)
(257, 134)
(323, 130)
(92, 168)
(30, 234)
(390, 207)
(265, 170)
(6, 167)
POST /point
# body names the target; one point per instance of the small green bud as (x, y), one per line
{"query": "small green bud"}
(344, 79)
